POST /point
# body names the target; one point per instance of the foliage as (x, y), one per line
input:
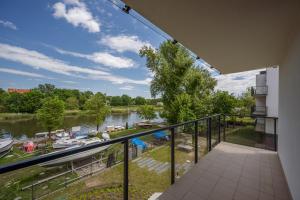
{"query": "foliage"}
(97, 105)
(223, 102)
(51, 114)
(74, 99)
(72, 103)
(245, 102)
(178, 81)
(140, 100)
(181, 107)
(147, 112)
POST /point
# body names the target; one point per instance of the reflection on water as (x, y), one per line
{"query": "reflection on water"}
(30, 127)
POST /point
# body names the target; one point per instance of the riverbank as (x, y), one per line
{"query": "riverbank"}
(16, 117)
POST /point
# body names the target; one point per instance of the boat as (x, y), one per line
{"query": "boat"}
(6, 143)
(65, 143)
(114, 128)
(61, 135)
(42, 135)
(77, 156)
(105, 136)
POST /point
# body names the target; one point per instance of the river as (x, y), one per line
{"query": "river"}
(29, 127)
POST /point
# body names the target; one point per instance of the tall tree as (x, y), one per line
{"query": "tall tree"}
(147, 112)
(175, 73)
(72, 103)
(126, 100)
(97, 106)
(223, 102)
(51, 114)
(139, 100)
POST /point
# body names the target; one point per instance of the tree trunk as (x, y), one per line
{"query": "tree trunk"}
(97, 127)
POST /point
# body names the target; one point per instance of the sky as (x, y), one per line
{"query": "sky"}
(86, 45)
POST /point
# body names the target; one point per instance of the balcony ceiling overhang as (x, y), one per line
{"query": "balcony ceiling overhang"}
(233, 36)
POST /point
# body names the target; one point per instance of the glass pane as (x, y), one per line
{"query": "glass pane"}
(184, 149)
(150, 165)
(255, 132)
(96, 173)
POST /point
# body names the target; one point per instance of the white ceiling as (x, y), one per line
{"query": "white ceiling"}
(231, 35)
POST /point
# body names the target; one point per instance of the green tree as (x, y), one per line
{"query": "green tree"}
(223, 102)
(175, 74)
(245, 102)
(97, 106)
(116, 101)
(46, 88)
(126, 100)
(51, 114)
(147, 112)
(32, 101)
(139, 100)
(72, 103)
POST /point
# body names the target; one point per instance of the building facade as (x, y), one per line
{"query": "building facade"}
(266, 99)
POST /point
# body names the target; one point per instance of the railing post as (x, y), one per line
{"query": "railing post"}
(125, 178)
(219, 128)
(172, 155)
(209, 133)
(32, 191)
(275, 135)
(224, 130)
(196, 141)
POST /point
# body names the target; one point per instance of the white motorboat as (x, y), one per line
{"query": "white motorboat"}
(6, 143)
(62, 135)
(77, 156)
(105, 136)
(65, 143)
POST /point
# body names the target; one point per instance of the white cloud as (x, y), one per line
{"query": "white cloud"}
(21, 73)
(40, 61)
(69, 82)
(103, 58)
(123, 43)
(126, 87)
(77, 14)
(8, 24)
(120, 80)
(237, 83)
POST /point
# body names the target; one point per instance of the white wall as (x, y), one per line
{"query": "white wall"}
(261, 80)
(289, 117)
(273, 90)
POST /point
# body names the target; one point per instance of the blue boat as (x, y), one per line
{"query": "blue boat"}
(160, 135)
(139, 143)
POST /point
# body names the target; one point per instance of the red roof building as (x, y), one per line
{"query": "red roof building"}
(15, 90)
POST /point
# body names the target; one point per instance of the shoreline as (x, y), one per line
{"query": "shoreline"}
(17, 117)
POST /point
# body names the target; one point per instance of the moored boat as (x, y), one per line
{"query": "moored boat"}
(6, 143)
(77, 156)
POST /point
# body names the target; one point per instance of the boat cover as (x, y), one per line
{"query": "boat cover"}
(139, 143)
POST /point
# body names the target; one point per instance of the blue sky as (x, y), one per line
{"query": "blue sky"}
(87, 45)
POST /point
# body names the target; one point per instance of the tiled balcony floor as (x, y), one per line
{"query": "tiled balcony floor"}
(232, 171)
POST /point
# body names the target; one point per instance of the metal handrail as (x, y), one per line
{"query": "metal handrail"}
(259, 90)
(125, 141)
(63, 153)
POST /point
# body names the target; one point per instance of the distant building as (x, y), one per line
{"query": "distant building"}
(20, 91)
(266, 99)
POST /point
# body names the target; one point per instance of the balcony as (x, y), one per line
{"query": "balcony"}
(177, 159)
(259, 110)
(232, 171)
(259, 90)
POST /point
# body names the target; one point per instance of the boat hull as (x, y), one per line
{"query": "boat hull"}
(75, 157)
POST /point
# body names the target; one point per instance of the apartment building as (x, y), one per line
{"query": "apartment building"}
(266, 99)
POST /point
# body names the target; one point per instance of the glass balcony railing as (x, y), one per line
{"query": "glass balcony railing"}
(259, 90)
(135, 166)
(259, 110)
